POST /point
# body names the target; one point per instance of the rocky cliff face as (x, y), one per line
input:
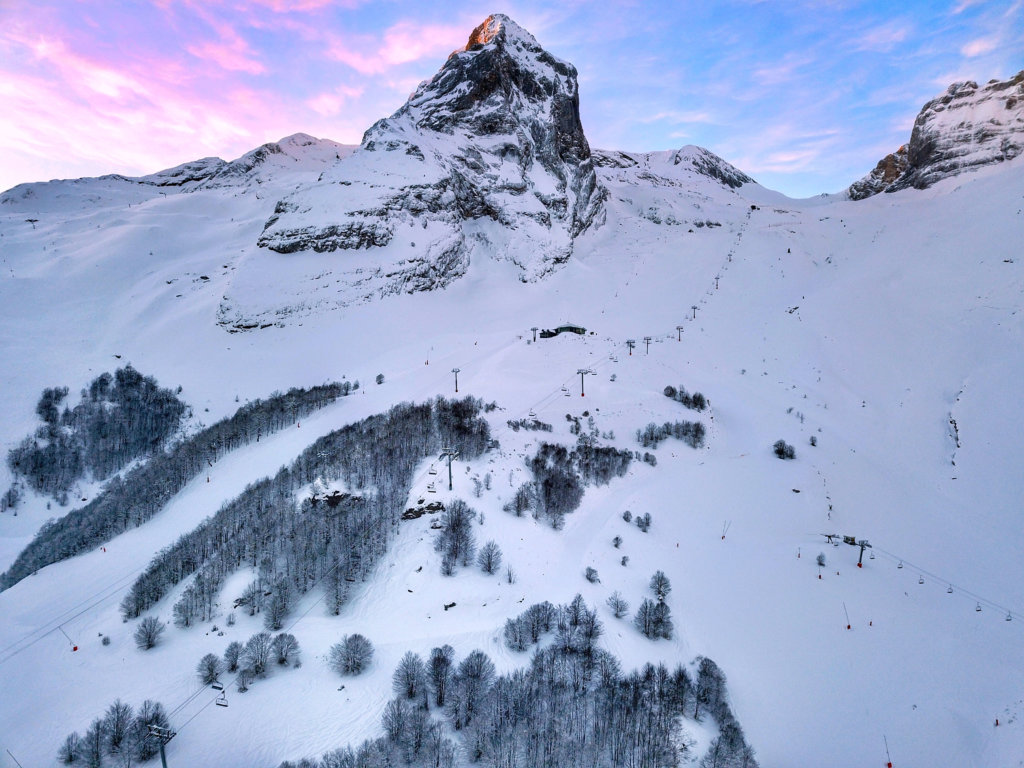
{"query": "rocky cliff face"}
(889, 168)
(966, 128)
(488, 157)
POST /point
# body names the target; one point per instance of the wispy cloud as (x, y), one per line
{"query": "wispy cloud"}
(882, 38)
(399, 44)
(980, 46)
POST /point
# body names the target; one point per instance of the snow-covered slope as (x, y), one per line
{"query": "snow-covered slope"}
(965, 128)
(873, 327)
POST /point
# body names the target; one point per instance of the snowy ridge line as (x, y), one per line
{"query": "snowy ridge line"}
(63, 618)
(922, 572)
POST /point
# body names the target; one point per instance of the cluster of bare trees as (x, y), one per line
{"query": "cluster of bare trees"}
(119, 418)
(119, 737)
(559, 475)
(571, 706)
(129, 501)
(297, 541)
(690, 432)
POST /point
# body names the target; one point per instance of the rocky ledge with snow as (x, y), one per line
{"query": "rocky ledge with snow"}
(966, 128)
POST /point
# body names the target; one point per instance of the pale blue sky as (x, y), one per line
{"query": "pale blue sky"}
(804, 96)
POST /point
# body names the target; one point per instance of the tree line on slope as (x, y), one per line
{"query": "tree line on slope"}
(571, 707)
(295, 544)
(129, 501)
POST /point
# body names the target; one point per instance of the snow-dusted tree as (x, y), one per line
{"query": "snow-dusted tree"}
(285, 648)
(644, 618)
(618, 605)
(278, 606)
(209, 668)
(352, 655)
(470, 685)
(151, 713)
(517, 636)
(93, 745)
(663, 626)
(256, 653)
(410, 678)
(68, 752)
(147, 634)
(489, 558)
(456, 540)
(252, 598)
(784, 450)
(440, 670)
(117, 723)
(232, 654)
(660, 585)
(590, 574)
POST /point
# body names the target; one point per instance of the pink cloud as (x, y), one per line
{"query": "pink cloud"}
(402, 43)
(980, 46)
(233, 56)
(330, 103)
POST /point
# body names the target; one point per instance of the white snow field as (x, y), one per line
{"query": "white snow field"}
(867, 326)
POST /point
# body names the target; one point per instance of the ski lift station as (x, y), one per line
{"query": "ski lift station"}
(563, 328)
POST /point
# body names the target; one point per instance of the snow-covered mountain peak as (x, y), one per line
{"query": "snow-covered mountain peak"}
(488, 156)
(967, 127)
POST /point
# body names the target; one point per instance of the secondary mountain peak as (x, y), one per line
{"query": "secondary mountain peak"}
(966, 128)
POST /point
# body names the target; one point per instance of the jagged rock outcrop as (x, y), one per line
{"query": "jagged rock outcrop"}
(966, 128)
(488, 156)
(889, 168)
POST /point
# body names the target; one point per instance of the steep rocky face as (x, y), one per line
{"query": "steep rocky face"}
(889, 168)
(965, 128)
(489, 156)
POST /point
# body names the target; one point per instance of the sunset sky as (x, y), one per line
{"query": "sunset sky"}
(804, 96)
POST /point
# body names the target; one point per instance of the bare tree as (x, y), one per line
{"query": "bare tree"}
(352, 655)
(489, 558)
(148, 632)
(618, 605)
(209, 668)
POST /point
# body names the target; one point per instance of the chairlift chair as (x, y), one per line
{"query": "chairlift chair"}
(949, 590)
(977, 607)
(532, 414)
(431, 488)
(217, 685)
(1008, 616)
(900, 564)
(431, 471)
(222, 700)
(920, 579)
